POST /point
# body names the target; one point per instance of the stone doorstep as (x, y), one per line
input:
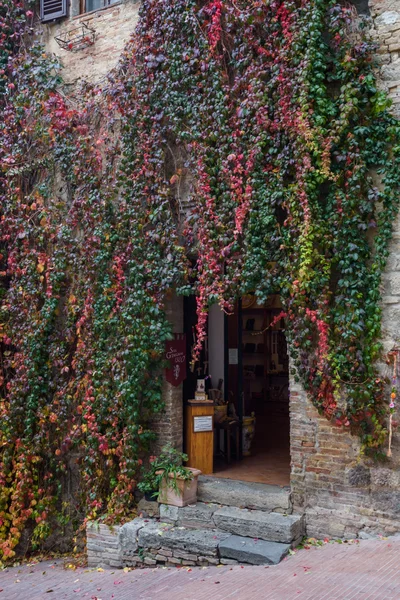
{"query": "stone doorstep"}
(269, 526)
(254, 552)
(243, 494)
(165, 543)
(272, 527)
(194, 516)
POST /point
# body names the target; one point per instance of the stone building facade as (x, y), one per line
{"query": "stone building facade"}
(341, 493)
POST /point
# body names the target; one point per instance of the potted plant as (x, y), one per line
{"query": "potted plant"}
(168, 481)
(148, 484)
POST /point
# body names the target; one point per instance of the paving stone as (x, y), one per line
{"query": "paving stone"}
(366, 569)
(255, 552)
(243, 494)
(272, 527)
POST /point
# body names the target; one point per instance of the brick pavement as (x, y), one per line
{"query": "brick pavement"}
(368, 570)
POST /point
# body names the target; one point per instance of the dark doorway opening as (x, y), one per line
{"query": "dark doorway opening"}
(247, 351)
(257, 390)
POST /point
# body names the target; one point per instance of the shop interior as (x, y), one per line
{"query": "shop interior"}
(245, 370)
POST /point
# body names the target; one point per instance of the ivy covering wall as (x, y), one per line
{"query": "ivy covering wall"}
(270, 109)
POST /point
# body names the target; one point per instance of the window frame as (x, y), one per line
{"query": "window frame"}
(84, 11)
(56, 14)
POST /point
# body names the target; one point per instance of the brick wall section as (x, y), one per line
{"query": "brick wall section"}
(169, 425)
(341, 493)
(113, 26)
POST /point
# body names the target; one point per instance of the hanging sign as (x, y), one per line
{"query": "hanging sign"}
(175, 353)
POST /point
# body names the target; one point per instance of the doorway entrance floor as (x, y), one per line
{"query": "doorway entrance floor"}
(270, 455)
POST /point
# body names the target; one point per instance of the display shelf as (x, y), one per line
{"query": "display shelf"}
(270, 340)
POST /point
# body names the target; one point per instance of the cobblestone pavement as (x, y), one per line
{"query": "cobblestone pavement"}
(368, 570)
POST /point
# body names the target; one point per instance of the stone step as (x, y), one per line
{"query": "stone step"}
(194, 516)
(149, 542)
(200, 542)
(244, 494)
(269, 526)
(254, 552)
(272, 527)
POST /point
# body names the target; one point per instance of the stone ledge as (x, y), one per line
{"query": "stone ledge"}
(243, 494)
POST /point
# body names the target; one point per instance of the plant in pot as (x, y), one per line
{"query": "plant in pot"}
(148, 484)
(168, 481)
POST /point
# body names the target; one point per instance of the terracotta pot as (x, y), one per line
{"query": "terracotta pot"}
(186, 494)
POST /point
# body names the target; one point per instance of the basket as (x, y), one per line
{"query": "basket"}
(77, 39)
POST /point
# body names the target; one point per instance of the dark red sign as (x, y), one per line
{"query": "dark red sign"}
(175, 353)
